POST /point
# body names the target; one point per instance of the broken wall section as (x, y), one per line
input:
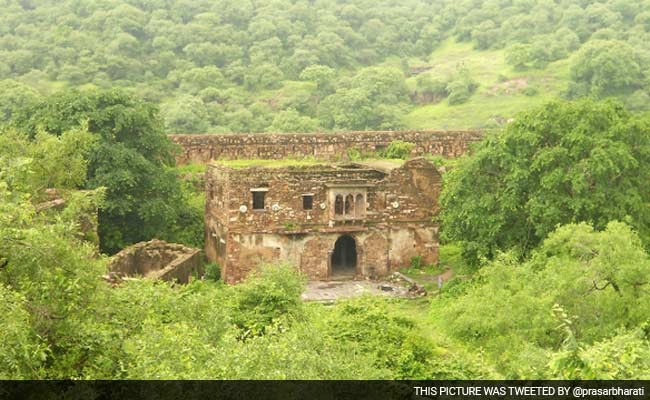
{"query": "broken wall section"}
(158, 259)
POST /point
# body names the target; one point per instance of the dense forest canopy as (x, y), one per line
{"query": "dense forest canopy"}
(284, 65)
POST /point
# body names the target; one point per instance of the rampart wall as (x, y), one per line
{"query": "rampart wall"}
(200, 149)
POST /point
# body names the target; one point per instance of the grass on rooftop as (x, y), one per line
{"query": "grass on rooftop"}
(189, 168)
(293, 162)
(286, 162)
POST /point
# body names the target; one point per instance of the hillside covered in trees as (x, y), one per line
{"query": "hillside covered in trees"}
(284, 65)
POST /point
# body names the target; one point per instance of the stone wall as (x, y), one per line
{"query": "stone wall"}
(406, 193)
(395, 222)
(201, 149)
(157, 259)
(379, 251)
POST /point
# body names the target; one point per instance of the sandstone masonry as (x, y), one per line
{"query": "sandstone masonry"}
(201, 149)
(356, 219)
(157, 259)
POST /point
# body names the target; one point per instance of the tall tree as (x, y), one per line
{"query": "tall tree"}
(563, 162)
(131, 160)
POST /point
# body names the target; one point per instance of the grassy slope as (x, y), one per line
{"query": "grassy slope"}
(491, 99)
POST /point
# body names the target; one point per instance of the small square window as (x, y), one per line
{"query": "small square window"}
(307, 202)
(258, 200)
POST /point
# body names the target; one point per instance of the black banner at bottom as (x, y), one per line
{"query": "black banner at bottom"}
(339, 390)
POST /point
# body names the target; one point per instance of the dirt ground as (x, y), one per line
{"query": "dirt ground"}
(332, 290)
(327, 291)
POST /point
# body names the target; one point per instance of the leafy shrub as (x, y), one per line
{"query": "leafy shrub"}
(460, 91)
(430, 86)
(21, 350)
(638, 101)
(269, 297)
(530, 91)
(416, 262)
(212, 272)
(624, 356)
(461, 87)
(367, 323)
(595, 276)
(368, 326)
(354, 154)
(398, 149)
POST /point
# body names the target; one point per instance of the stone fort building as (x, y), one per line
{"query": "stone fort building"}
(329, 219)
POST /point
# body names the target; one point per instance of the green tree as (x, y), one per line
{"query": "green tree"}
(291, 121)
(398, 149)
(607, 66)
(186, 114)
(15, 96)
(346, 109)
(131, 160)
(321, 75)
(563, 162)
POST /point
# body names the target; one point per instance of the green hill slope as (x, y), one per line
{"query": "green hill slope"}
(297, 65)
(502, 91)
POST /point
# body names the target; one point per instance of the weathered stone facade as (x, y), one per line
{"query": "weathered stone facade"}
(329, 220)
(157, 259)
(201, 149)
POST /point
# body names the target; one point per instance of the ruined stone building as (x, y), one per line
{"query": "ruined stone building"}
(355, 219)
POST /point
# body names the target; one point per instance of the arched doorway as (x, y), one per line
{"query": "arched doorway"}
(344, 256)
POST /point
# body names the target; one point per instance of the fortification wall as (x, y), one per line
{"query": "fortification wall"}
(200, 149)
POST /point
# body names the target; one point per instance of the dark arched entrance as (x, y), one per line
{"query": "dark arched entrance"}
(344, 256)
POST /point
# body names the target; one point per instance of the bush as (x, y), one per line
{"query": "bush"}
(368, 326)
(428, 85)
(530, 91)
(595, 276)
(416, 262)
(212, 272)
(638, 101)
(270, 297)
(461, 87)
(398, 150)
(459, 91)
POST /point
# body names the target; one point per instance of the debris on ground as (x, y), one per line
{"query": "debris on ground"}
(396, 285)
